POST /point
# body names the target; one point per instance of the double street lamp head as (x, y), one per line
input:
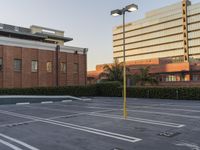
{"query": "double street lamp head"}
(129, 8)
(116, 12)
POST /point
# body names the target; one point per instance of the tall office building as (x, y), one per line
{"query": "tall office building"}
(172, 31)
(167, 39)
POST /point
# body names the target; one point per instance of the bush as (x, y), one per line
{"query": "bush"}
(69, 90)
(110, 89)
(186, 93)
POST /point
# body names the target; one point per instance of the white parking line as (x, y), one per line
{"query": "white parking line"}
(174, 109)
(18, 142)
(87, 99)
(99, 114)
(16, 123)
(56, 117)
(23, 103)
(141, 120)
(183, 106)
(167, 114)
(10, 145)
(47, 102)
(81, 106)
(140, 111)
(66, 101)
(76, 127)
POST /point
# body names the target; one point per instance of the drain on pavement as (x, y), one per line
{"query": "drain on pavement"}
(169, 134)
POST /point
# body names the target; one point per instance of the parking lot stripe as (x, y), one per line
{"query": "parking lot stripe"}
(147, 121)
(66, 101)
(22, 103)
(10, 145)
(164, 113)
(47, 102)
(142, 120)
(144, 111)
(87, 99)
(18, 142)
(17, 123)
(174, 105)
(173, 109)
(77, 127)
(96, 131)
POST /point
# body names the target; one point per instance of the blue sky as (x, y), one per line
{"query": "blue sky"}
(87, 21)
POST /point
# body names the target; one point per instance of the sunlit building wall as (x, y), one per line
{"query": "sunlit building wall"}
(160, 34)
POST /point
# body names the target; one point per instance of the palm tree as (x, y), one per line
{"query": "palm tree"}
(144, 77)
(113, 72)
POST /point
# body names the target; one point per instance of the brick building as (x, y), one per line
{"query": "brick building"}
(37, 57)
(167, 39)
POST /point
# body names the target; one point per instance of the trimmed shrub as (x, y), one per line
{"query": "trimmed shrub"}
(69, 90)
(185, 93)
(110, 89)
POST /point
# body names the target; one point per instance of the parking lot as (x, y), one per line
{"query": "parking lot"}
(98, 124)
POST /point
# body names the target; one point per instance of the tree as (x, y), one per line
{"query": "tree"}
(113, 72)
(145, 77)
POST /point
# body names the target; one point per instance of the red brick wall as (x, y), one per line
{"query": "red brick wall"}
(1, 72)
(9, 78)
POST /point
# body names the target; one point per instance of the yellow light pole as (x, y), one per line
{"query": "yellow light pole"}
(117, 12)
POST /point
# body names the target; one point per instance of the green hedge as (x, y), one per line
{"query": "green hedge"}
(111, 89)
(185, 93)
(69, 90)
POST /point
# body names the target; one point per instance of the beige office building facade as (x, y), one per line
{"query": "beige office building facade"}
(167, 40)
(168, 32)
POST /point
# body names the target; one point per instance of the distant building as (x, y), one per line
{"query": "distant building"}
(167, 39)
(37, 57)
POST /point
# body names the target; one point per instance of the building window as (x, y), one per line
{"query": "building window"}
(171, 78)
(17, 65)
(63, 67)
(49, 66)
(195, 77)
(1, 64)
(34, 66)
(75, 68)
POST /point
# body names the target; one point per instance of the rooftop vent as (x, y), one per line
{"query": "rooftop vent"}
(48, 31)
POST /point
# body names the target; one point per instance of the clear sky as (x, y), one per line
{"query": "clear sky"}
(87, 21)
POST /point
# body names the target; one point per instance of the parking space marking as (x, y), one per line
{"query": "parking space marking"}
(56, 117)
(66, 101)
(52, 109)
(77, 127)
(47, 102)
(99, 114)
(23, 103)
(10, 145)
(68, 111)
(173, 109)
(16, 123)
(141, 120)
(81, 106)
(18, 142)
(167, 114)
(96, 131)
(144, 111)
(174, 105)
(189, 145)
